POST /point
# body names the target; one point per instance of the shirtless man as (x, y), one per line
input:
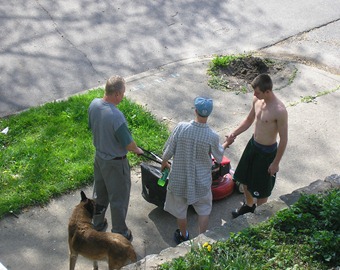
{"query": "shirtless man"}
(260, 160)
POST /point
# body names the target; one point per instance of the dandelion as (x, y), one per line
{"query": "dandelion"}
(207, 246)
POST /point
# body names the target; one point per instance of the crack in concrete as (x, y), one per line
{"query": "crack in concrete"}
(307, 60)
(65, 37)
(298, 34)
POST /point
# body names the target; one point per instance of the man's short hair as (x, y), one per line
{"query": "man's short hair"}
(263, 82)
(115, 84)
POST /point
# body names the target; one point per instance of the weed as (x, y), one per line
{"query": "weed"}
(269, 61)
(309, 99)
(293, 76)
(221, 62)
(218, 82)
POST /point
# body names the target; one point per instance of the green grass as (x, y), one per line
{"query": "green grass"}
(48, 150)
(222, 61)
(216, 80)
(305, 236)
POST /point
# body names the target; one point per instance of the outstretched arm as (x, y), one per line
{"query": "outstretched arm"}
(246, 123)
(228, 141)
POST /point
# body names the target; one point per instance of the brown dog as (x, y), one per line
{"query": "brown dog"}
(94, 245)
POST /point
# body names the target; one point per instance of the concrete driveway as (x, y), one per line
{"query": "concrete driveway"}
(50, 50)
(53, 50)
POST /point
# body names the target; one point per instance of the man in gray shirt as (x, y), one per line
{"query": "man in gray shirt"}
(112, 141)
(191, 145)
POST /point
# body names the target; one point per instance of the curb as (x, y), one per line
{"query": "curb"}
(2, 267)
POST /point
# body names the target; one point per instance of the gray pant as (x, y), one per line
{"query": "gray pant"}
(112, 185)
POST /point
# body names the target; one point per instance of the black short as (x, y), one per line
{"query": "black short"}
(252, 170)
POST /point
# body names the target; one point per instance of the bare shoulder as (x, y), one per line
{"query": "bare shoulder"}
(279, 104)
(280, 109)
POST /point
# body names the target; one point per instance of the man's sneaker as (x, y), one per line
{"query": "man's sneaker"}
(179, 237)
(243, 210)
(101, 227)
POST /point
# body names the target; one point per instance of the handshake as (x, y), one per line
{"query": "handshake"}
(229, 139)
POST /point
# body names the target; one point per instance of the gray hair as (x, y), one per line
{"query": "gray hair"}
(115, 84)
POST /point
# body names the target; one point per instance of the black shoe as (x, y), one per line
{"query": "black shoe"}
(179, 238)
(101, 227)
(243, 210)
(128, 235)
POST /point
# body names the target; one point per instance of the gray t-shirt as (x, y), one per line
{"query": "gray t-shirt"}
(109, 129)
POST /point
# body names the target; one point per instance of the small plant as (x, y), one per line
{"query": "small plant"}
(244, 90)
(308, 99)
(219, 82)
(319, 94)
(222, 61)
(269, 61)
(292, 104)
(293, 76)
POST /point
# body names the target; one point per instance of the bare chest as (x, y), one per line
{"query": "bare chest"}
(264, 114)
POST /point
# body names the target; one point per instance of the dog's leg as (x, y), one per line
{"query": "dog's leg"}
(95, 265)
(113, 264)
(132, 255)
(73, 260)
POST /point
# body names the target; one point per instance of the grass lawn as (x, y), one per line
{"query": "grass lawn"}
(48, 149)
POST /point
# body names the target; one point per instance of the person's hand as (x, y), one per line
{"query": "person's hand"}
(139, 151)
(273, 169)
(165, 164)
(229, 139)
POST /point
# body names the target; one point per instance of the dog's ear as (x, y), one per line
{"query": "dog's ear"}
(89, 206)
(83, 196)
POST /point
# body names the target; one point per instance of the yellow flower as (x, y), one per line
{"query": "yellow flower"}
(207, 246)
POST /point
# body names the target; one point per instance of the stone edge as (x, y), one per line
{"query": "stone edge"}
(262, 213)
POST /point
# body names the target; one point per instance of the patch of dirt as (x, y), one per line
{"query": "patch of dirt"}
(238, 75)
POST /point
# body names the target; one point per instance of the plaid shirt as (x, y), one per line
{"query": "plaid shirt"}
(191, 146)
